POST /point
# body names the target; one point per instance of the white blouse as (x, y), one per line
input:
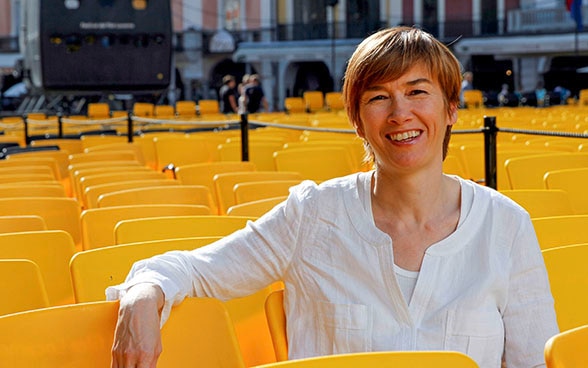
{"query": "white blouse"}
(483, 290)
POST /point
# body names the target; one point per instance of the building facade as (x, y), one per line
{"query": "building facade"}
(299, 45)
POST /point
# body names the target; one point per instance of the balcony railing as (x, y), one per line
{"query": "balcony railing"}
(542, 20)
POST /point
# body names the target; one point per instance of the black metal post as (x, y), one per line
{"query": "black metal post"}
(25, 120)
(490, 131)
(59, 125)
(244, 137)
(130, 127)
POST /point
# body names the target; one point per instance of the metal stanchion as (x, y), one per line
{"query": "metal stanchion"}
(59, 125)
(130, 127)
(490, 131)
(244, 137)
(25, 120)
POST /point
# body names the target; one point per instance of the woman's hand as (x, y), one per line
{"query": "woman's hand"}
(137, 338)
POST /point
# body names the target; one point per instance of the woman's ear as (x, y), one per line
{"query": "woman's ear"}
(359, 129)
(452, 114)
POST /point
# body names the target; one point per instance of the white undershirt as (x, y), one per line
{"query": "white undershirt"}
(407, 279)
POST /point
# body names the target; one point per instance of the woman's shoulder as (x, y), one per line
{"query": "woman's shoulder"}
(486, 198)
(340, 187)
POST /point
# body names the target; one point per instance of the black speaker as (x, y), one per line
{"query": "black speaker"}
(98, 45)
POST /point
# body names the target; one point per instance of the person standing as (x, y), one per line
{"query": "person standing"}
(255, 99)
(228, 95)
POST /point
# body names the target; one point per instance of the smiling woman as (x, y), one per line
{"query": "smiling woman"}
(402, 257)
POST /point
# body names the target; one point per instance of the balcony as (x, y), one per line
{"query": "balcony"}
(557, 20)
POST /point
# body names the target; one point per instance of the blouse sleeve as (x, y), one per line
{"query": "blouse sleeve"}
(529, 316)
(235, 266)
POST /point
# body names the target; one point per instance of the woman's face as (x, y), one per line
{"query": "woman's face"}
(404, 121)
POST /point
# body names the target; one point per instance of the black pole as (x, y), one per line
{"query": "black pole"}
(25, 120)
(244, 137)
(490, 131)
(59, 125)
(130, 127)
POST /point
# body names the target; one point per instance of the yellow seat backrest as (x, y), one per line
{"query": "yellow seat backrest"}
(20, 223)
(208, 107)
(21, 280)
(391, 359)
(198, 330)
(473, 98)
(314, 100)
(256, 190)
(225, 183)
(555, 231)
(541, 202)
(98, 110)
(255, 208)
(98, 224)
(58, 213)
(51, 250)
(144, 109)
(94, 192)
(527, 172)
(186, 108)
(92, 271)
(573, 181)
(294, 104)
(158, 228)
(568, 279)
(316, 163)
(334, 101)
(567, 349)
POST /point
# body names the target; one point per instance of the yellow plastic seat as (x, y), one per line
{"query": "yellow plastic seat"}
(225, 182)
(256, 190)
(98, 224)
(567, 349)
(165, 111)
(186, 108)
(183, 150)
(30, 161)
(313, 100)
(351, 144)
(276, 320)
(203, 173)
(64, 144)
(34, 189)
(207, 107)
(294, 105)
(334, 101)
(15, 224)
(566, 268)
(574, 182)
(98, 110)
(22, 285)
(255, 208)
(261, 153)
(89, 181)
(527, 172)
(51, 250)
(542, 202)
(144, 109)
(387, 359)
(95, 191)
(198, 330)
(169, 194)
(99, 140)
(27, 178)
(58, 213)
(27, 169)
(119, 146)
(556, 231)
(77, 172)
(159, 228)
(473, 98)
(316, 163)
(102, 156)
(452, 166)
(92, 271)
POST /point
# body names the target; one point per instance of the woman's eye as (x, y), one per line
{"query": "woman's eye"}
(377, 98)
(417, 92)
